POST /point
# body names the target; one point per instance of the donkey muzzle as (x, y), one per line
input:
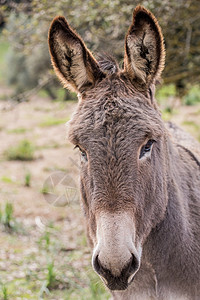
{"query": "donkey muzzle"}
(115, 257)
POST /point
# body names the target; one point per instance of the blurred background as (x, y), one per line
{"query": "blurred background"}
(43, 247)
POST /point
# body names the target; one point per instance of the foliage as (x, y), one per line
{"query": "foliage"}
(23, 151)
(103, 24)
(29, 66)
(193, 96)
(3, 50)
(165, 92)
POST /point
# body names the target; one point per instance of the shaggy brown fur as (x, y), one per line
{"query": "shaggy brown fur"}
(156, 191)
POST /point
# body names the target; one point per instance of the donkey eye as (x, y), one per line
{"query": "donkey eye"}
(83, 153)
(146, 149)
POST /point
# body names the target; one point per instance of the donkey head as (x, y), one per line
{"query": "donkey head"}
(122, 142)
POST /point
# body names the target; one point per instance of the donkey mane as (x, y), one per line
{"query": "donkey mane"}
(107, 63)
(191, 154)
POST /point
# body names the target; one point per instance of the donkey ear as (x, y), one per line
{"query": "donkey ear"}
(144, 49)
(72, 61)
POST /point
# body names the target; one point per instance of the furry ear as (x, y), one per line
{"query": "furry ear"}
(72, 61)
(144, 49)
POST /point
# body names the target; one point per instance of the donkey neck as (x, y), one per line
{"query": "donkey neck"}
(172, 246)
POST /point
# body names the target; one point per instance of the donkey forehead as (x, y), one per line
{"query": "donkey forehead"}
(114, 114)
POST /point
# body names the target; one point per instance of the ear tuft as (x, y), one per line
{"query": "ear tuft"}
(144, 49)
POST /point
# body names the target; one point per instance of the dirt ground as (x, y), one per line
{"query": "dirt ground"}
(46, 232)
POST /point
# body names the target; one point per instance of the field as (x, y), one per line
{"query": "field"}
(43, 252)
(43, 247)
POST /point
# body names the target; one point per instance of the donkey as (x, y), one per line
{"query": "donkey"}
(140, 179)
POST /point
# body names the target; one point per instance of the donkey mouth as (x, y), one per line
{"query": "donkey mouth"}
(118, 284)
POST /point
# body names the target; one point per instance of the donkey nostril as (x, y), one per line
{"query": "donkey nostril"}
(130, 269)
(96, 264)
(133, 265)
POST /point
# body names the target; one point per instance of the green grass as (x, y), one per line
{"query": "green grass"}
(23, 151)
(45, 189)
(97, 288)
(44, 241)
(17, 130)
(51, 121)
(7, 179)
(52, 145)
(191, 123)
(6, 215)
(5, 292)
(51, 276)
(27, 179)
(9, 224)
